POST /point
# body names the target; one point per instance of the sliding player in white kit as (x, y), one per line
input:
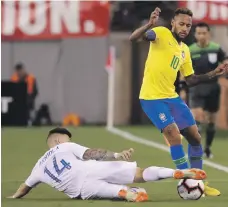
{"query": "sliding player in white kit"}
(85, 173)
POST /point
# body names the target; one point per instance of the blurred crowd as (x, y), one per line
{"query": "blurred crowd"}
(128, 15)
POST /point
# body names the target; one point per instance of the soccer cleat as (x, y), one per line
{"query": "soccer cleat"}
(193, 173)
(208, 191)
(208, 154)
(133, 196)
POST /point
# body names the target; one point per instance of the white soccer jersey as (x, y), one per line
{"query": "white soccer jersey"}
(63, 168)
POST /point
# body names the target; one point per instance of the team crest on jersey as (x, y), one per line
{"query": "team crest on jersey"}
(212, 57)
(183, 54)
(162, 117)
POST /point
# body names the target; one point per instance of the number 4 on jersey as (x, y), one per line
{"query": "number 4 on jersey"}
(58, 171)
(65, 166)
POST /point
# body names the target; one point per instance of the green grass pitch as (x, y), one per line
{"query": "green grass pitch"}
(21, 148)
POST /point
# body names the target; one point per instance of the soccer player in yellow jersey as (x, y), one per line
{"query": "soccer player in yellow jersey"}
(168, 55)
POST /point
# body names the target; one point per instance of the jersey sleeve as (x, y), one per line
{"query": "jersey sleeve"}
(78, 150)
(156, 33)
(33, 180)
(221, 55)
(186, 69)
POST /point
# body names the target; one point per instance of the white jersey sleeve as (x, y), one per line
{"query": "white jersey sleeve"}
(78, 150)
(34, 179)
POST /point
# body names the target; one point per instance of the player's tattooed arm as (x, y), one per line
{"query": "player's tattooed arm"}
(194, 80)
(21, 192)
(141, 33)
(98, 154)
(105, 155)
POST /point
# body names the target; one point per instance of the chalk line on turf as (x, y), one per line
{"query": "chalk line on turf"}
(132, 137)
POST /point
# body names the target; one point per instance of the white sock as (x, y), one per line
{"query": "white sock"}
(156, 173)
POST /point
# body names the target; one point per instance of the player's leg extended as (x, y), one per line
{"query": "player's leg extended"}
(159, 113)
(109, 179)
(173, 136)
(186, 123)
(195, 151)
(99, 189)
(155, 173)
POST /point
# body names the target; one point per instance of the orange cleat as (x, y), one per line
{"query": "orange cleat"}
(196, 174)
(133, 196)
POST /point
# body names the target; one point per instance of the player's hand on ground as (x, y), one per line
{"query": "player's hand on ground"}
(155, 15)
(125, 155)
(222, 69)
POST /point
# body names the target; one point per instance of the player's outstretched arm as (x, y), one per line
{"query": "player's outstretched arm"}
(140, 33)
(21, 192)
(193, 80)
(105, 155)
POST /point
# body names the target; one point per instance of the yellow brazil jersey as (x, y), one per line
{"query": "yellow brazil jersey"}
(165, 58)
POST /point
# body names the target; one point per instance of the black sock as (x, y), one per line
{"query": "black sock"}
(210, 133)
(199, 126)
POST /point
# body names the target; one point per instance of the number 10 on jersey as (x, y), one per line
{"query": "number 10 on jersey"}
(175, 62)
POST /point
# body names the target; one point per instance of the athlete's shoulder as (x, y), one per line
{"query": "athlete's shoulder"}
(193, 47)
(161, 30)
(161, 33)
(214, 45)
(186, 48)
(48, 154)
(69, 145)
(65, 146)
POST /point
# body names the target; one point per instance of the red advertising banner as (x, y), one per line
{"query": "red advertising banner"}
(29, 20)
(211, 12)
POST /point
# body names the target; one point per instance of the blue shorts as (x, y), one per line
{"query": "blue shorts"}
(163, 112)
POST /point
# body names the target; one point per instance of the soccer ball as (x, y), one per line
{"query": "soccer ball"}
(189, 189)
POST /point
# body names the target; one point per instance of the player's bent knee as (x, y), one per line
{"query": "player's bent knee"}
(196, 141)
(197, 137)
(211, 117)
(172, 134)
(139, 175)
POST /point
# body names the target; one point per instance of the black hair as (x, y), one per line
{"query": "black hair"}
(203, 24)
(19, 66)
(59, 130)
(183, 11)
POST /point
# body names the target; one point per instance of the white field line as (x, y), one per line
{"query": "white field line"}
(131, 137)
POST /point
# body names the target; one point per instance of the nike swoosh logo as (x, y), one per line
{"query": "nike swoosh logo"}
(170, 44)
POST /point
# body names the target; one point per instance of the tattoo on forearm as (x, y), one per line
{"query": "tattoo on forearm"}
(98, 154)
(197, 79)
(138, 33)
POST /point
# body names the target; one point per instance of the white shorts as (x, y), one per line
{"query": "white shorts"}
(98, 189)
(106, 179)
(116, 172)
